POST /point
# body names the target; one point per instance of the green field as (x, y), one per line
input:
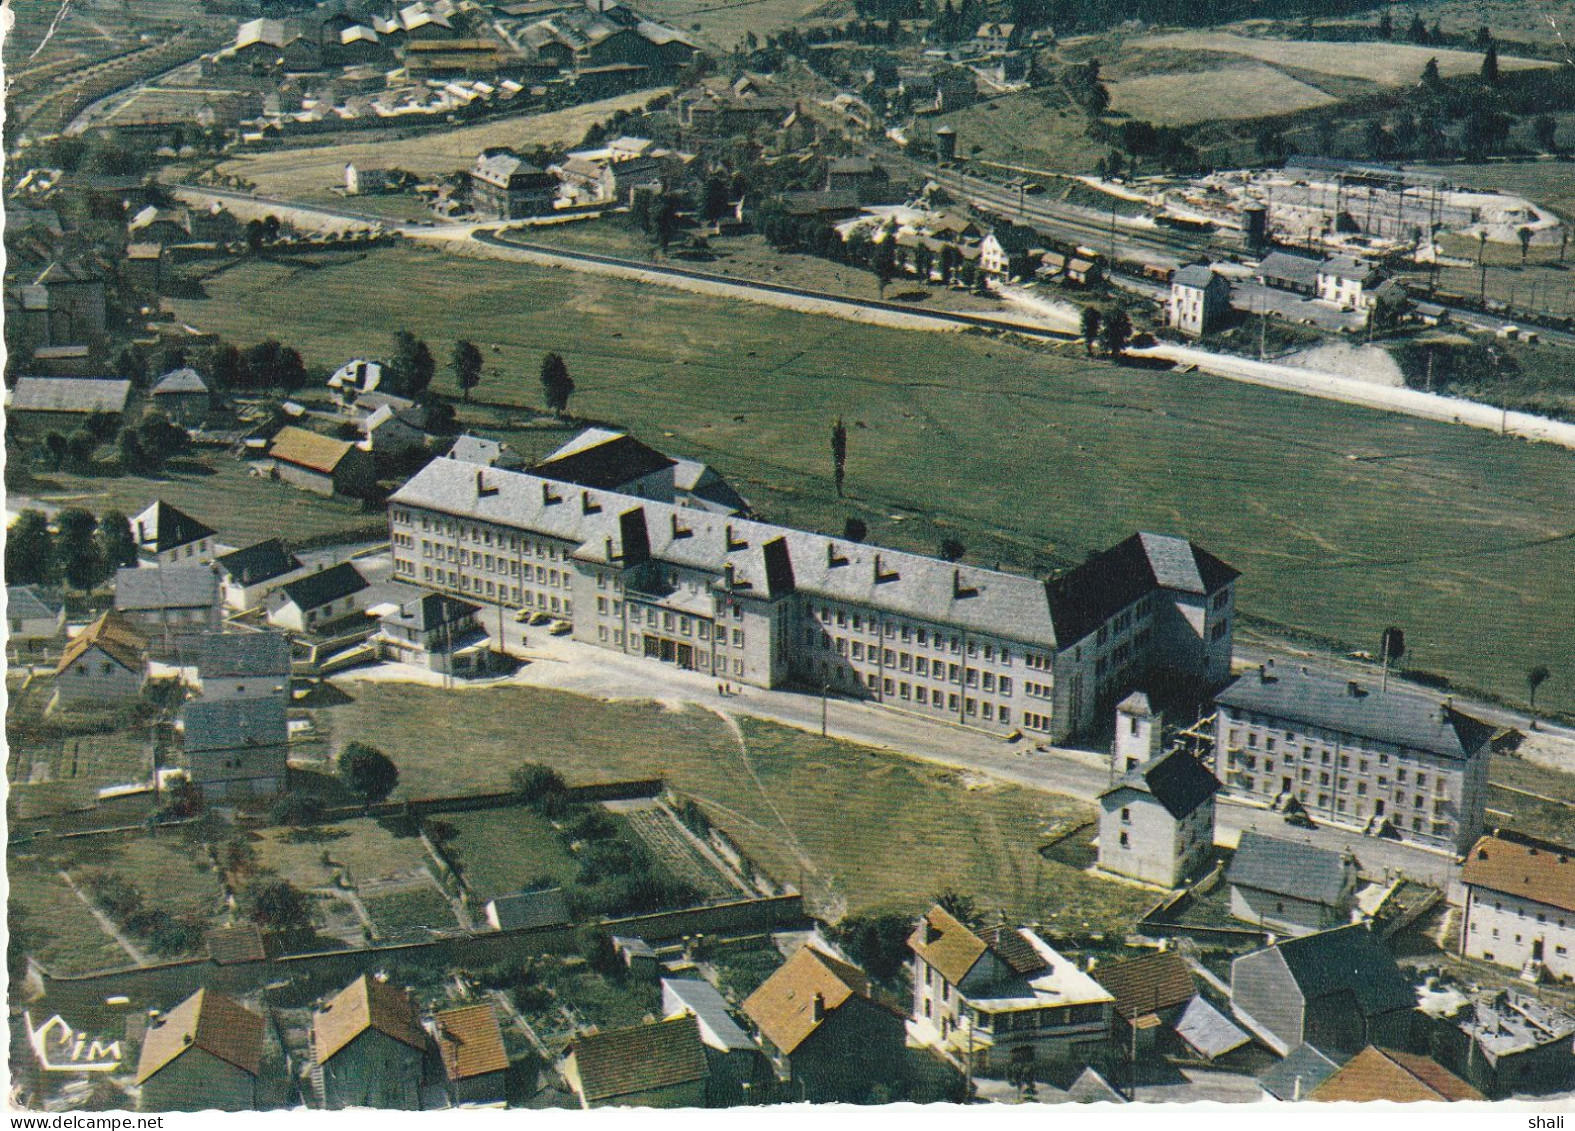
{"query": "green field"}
(362, 849)
(1188, 98)
(856, 829)
(499, 851)
(57, 927)
(1037, 130)
(1342, 519)
(407, 915)
(1391, 64)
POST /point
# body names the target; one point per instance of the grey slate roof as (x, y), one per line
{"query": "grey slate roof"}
(766, 557)
(1412, 718)
(166, 587)
(1208, 1030)
(485, 452)
(1288, 867)
(717, 1027)
(180, 381)
(1175, 779)
(1348, 961)
(262, 561)
(28, 602)
(527, 909)
(432, 610)
(1092, 1088)
(1298, 269)
(315, 590)
(1302, 1070)
(235, 724)
(226, 655)
(1347, 267)
(69, 394)
(1197, 275)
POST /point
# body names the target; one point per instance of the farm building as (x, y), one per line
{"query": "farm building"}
(470, 1044)
(106, 662)
(321, 464)
(1290, 887)
(661, 1064)
(1159, 986)
(33, 615)
(248, 575)
(1506, 1042)
(172, 606)
(167, 536)
(370, 1048)
(317, 599)
(504, 186)
(237, 748)
(183, 396)
(827, 1038)
(39, 404)
(205, 1053)
(353, 378)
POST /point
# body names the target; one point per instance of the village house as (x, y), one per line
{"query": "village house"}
(74, 295)
(1156, 819)
(33, 615)
(739, 1072)
(470, 1045)
(504, 186)
(1401, 761)
(1289, 887)
(321, 464)
(393, 432)
(827, 1038)
(1000, 996)
(1294, 273)
(41, 404)
(237, 748)
(316, 600)
(161, 225)
(1393, 1076)
(143, 269)
(1293, 1079)
(1010, 251)
(1199, 300)
(353, 379)
(1340, 990)
(248, 575)
(168, 536)
(661, 1064)
(1158, 1008)
(1348, 283)
(105, 663)
(370, 1048)
(244, 665)
(528, 910)
(1520, 904)
(205, 1053)
(767, 605)
(171, 606)
(486, 453)
(1506, 1042)
(439, 633)
(182, 396)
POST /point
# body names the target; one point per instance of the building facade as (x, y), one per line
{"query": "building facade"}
(767, 605)
(1520, 905)
(1199, 300)
(1402, 762)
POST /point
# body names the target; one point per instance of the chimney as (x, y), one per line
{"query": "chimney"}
(820, 1007)
(1296, 1090)
(728, 577)
(611, 556)
(1353, 689)
(589, 505)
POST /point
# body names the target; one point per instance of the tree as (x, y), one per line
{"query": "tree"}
(1490, 65)
(296, 810)
(1484, 38)
(80, 446)
(1430, 76)
(952, 550)
(368, 772)
(277, 905)
(1386, 26)
(959, 906)
(1545, 129)
(225, 367)
(1117, 331)
(839, 452)
(1524, 235)
(1417, 32)
(884, 264)
(1091, 320)
(556, 383)
(132, 458)
(29, 556)
(412, 363)
(55, 444)
(878, 943)
(855, 529)
(716, 204)
(271, 364)
(115, 541)
(466, 364)
(1535, 678)
(534, 782)
(76, 548)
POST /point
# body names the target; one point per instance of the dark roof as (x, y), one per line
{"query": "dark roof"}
(69, 394)
(645, 1058)
(1109, 581)
(235, 724)
(166, 587)
(1016, 238)
(316, 589)
(432, 610)
(606, 465)
(262, 561)
(1197, 275)
(1013, 950)
(1175, 779)
(1348, 961)
(28, 602)
(180, 381)
(1147, 984)
(240, 943)
(228, 654)
(1289, 867)
(1302, 1070)
(1289, 268)
(815, 203)
(162, 527)
(1405, 716)
(524, 910)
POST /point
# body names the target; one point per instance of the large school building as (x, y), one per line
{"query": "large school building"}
(759, 604)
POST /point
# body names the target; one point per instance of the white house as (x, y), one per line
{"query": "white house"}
(999, 994)
(1199, 299)
(1520, 905)
(248, 575)
(317, 599)
(106, 662)
(167, 536)
(244, 665)
(355, 377)
(1348, 282)
(1156, 821)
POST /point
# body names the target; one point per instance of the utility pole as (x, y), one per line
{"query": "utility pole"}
(825, 689)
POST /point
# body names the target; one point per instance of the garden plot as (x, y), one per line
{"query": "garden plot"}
(679, 851)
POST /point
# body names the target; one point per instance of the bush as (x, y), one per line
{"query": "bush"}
(603, 858)
(594, 825)
(296, 810)
(535, 783)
